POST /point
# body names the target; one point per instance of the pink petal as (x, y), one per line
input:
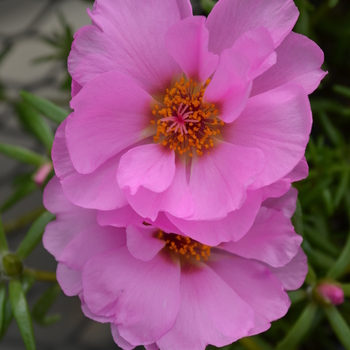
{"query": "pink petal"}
(87, 312)
(281, 187)
(151, 347)
(111, 113)
(120, 341)
(219, 180)
(230, 19)
(276, 189)
(176, 199)
(151, 166)
(70, 219)
(119, 217)
(142, 242)
(258, 47)
(256, 285)
(128, 37)
(271, 239)
(299, 61)
(210, 313)
(277, 122)
(230, 87)
(187, 42)
(98, 190)
(230, 228)
(293, 274)
(143, 296)
(286, 203)
(76, 87)
(60, 157)
(69, 280)
(92, 241)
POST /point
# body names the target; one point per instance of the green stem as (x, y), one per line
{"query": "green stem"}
(45, 276)
(22, 221)
(3, 243)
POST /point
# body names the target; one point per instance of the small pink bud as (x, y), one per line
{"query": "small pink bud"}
(42, 173)
(331, 293)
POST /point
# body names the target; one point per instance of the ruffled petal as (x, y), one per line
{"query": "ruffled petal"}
(293, 274)
(92, 241)
(299, 60)
(219, 180)
(142, 242)
(256, 285)
(176, 199)
(151, 166)
(187, 41)
(271, 239)
(230, 228)
(258, 47)
(119, 217)
(110, 113)
(128, 37)
(210, 313)
(286, 203)
(230, 87)
(70, 219)
(230, 19)
(69, 280)
(143, 296)
(98, 190)
(277, 122)
(120, 341)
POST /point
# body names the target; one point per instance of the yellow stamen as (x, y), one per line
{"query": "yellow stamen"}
(184, 246)
(185, 123)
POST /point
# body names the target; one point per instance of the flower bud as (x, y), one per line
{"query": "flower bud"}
(12, 265)
(329, 293)
(42, 173)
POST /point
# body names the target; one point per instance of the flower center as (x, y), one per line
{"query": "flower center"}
(184, 246)
(185, 123)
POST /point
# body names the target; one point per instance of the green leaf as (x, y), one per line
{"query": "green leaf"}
(3, 242)
(311, 277)
(343, 262)
(22, 154)
(340, 89)
(207, 5)
(297, 296)
(25, 189)
(343, 185)
(43, 305)
(332, 3)
(299, 329)
(21, 313)
(341, 329)
(45, 107)
(334, 134)
(34, 235)
(2, 304)
(27, 282)
(346, 289)
(297, 219)
(35, 124)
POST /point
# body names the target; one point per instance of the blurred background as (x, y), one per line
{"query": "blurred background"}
(35, 40)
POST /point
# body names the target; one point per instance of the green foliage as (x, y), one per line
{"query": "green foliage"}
(45, 107)
(34, 235)
(21, 313)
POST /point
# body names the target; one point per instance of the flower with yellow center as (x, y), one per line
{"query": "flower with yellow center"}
(185, 123)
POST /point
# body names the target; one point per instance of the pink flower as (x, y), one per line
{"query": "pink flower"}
(164, 290)
(187, 116)
(329, 292)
